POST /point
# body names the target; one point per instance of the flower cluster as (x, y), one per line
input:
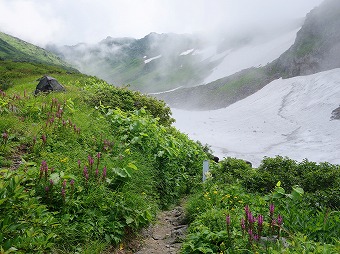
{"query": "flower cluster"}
(254, 225)
(88, 168)
(55, 115)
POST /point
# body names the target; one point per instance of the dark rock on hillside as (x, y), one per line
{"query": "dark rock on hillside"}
(48, 84)
(336, 114)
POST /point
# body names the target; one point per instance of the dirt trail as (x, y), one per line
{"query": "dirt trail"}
(163, 237)
(166, 234)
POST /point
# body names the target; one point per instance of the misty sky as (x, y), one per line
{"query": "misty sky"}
(73, 21)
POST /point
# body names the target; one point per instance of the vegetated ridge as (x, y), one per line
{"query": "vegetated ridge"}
(316, 48)
(163, 62)
(14, 49)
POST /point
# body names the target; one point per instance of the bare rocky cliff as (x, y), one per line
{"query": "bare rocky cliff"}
(317, 45)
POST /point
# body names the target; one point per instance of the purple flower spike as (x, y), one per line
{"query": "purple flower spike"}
(271, 209)
(260, 220)
(243, 224)
(43, 138)
(63, 192)
(90, 159)
(72, 182)
(104, 172)
(227, 219)
(279, 220)
(5, 136)
(51, 182)
(250, 233)
(273, 222)
(64, 184)
(85, 172)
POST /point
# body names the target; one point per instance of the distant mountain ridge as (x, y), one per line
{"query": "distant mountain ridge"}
(163, 62)
(316, 48)
(176, 68)
(157, 62)
(14, 49)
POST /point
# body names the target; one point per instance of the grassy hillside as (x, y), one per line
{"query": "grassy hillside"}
(84, 169)
(14, 49)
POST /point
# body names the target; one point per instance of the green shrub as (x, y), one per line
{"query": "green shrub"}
(230, 170)
(321, 181)
(101, 94)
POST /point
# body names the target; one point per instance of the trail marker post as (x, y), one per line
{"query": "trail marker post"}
(205, 169)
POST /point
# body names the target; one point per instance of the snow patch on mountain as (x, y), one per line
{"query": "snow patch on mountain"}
(187, 52)
(151, 59)
(287, 117)
(251, 55)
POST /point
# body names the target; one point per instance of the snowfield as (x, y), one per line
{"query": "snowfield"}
(288, 117)
(252, 55)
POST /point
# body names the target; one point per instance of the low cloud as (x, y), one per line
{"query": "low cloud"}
(73, 21)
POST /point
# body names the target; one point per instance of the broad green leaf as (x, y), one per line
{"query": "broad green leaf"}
(298, 190)
(129, 220)
(55, 178)
(133, 166)
(280, 190)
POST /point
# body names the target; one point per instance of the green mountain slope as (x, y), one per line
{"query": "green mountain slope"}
(14, 49)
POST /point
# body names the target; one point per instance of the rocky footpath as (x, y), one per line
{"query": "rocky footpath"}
(166, 235)
(162, 237)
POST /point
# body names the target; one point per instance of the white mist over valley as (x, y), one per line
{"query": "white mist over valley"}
(287, 117)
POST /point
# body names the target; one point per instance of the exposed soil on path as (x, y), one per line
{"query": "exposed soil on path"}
(163, 237)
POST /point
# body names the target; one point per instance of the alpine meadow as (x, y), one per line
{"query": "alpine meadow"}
(173, 142)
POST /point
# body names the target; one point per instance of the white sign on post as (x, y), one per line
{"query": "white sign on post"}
(205, 169)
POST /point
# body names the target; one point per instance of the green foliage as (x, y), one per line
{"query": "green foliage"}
(25, 224)
(291, 223)
(320, 181)
(167, 148)
(102, 95)
(231, 169)
(76, 173)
